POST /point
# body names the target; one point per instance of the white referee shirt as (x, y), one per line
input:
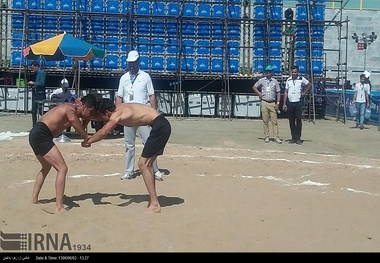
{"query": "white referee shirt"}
(138, 90)
(360, 90)
(294, 87)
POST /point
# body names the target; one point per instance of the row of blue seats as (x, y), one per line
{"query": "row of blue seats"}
(264, 11)
(275, 12)
(317, 12)
(144, 44)
(302, 48)
(189, 47)
(266, 1)
(275, 49)
(317, 2)
(200, 9)
(114, 26)
(317, 65)
(260, 32)
(260, 64)
(189, 9)
(190, 64)
(317, 33)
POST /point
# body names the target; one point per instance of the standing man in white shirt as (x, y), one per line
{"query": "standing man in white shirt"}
(136, 86)
(296, 87)
(361, 100)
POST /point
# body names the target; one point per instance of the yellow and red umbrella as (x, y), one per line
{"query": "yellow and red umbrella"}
(62, 46)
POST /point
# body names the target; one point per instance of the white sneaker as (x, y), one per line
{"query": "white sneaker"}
(278, 140)
(128, 176)
(158, 175)
(266, 140)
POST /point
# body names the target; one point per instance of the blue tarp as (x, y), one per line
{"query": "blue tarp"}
(332, 96)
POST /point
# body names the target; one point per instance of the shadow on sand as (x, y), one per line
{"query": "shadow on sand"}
(97, 199)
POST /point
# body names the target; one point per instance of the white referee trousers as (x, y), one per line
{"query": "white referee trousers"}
(129, 138)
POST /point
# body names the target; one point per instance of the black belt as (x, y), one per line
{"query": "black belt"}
(269, 101)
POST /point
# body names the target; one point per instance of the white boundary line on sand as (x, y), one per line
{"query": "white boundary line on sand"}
(286, 182)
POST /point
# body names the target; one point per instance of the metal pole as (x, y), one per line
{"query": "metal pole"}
(19, 71)
(345, 71)
(310, 64)
(365, 54)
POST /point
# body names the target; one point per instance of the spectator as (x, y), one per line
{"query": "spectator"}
(361, 99)
(38, 90)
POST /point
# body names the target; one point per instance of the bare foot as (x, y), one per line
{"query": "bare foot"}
(60, 210)
(56, 211)
(153, 209)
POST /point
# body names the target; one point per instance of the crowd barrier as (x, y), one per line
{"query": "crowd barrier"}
(336, 107)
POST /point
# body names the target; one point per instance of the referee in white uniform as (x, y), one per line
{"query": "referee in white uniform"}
(136, 86)
(296, 87)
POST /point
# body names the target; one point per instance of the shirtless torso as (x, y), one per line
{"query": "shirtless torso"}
(61, 117)
(134, 114)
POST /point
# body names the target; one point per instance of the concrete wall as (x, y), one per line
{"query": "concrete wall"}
(359, 22)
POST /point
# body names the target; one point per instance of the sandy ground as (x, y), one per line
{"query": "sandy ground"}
(224, 189)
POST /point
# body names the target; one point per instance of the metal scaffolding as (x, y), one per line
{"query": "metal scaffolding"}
(83, 21)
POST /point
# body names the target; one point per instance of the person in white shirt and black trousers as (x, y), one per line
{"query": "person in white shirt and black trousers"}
(296, 87)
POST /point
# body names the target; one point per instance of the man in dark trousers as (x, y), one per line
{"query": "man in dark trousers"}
(38, 89)
(296, 87)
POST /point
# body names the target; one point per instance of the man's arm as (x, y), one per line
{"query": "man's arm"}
(306, 89)
(153, 101)
(278, 98)
(255, 88)
(367, 99)
(85, 124)
(120, 92)
(278, 92)
(75, 122)
(103, 132)
(285, 98)
(118, 101)
(354, 98)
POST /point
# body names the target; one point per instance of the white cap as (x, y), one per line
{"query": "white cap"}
(132, 56)
(366, 73)
(65, 83)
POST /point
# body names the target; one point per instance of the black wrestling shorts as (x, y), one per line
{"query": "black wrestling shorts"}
(159, 136)
(41, 139)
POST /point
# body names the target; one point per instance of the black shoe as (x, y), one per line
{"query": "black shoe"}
(299, 142)
(292, 141)
(357, 126)
(361, 127)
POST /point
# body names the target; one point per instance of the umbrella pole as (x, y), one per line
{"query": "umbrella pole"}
(64, 68)
(78, 78)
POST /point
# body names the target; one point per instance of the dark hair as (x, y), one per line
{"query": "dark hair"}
(106, 104)
(295, 67)
(362, 76)
(35, 63)
(90, 101)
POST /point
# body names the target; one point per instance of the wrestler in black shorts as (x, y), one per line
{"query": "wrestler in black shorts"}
(159, 136)
(41, 139)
